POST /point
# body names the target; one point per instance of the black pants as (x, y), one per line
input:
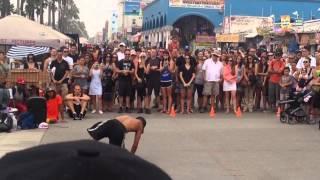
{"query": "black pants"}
(113, 129)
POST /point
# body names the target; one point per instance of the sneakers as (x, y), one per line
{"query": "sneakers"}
(120, 110)
(74, 115)
(100, 112)
(81, 116)
(93, 111)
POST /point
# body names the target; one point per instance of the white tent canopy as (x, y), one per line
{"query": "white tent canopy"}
(20, 52)
(18, 30)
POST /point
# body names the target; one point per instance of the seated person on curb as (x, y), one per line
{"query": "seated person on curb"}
(54, 106)
(77, 103)
(115, 130)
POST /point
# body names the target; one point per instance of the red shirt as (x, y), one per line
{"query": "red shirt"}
(276, 65)
(53, 107)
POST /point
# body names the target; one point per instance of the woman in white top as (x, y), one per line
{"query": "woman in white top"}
(95, 90)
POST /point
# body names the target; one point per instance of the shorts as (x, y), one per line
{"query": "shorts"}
(108, 97)
(211, 88)
(113, 129)
(165, 84)
(199, 89)
(125, 88)
(153, 85)
(187, 88)
(77, 109)
(62, 89)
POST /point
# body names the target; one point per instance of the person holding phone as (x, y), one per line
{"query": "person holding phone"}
(187, 75)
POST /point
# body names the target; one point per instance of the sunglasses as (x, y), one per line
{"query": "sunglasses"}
(305, 62)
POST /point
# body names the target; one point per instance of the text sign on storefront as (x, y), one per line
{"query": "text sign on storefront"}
(215, 4)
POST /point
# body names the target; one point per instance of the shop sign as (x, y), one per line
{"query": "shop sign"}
(205, 39)
(231, 38)
(216, 4)
(246, 24)
(299, 22)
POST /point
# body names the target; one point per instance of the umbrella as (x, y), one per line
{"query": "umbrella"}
(18, 30)
(19, 52)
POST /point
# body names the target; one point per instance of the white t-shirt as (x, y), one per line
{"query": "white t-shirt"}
(69, 61)
(213, 70)
(120, 55)
(313, 62)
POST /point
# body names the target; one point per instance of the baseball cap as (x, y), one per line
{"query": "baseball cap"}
(216, 53)
(122, 44)
(81, 160)
(21, 81)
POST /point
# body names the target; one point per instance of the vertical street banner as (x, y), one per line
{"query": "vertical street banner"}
(205, 4)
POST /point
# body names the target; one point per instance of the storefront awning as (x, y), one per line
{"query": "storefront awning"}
(231, 38)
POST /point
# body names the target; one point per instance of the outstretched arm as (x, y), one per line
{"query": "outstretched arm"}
(137, 137)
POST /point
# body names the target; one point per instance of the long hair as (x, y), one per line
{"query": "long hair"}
(48, 97)
(232, 65)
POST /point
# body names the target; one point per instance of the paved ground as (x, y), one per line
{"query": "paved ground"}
(197, 147)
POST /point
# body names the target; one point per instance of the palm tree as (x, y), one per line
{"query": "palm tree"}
(5, 7)
(53, 11)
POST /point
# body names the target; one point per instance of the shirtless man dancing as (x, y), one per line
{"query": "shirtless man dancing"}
(115, 130)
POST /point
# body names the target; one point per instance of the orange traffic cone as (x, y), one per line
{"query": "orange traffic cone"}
(172, 112)
(278, 112)
(238, 112)
(212, 113)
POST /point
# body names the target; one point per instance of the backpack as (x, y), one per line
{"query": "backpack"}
(26, 121)
(6, 122)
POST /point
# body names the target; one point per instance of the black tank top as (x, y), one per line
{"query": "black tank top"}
(140, 72)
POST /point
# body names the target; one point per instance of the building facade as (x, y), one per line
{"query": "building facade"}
(162, 18)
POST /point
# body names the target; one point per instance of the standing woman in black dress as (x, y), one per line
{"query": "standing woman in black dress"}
(187, 76)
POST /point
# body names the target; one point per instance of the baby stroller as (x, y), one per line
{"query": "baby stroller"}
(295, 106)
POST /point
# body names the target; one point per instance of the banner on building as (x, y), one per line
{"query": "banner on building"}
(205, 39)
(285, 22)
(132, 7)
(246, 24)
(230, 38)
(205, 4)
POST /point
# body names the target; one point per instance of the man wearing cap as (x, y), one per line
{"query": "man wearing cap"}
(115, 130)
(125, 70)
(120, 53)
(20, 95)
(212, 71)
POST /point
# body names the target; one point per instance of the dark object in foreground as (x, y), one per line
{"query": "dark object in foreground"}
(79, 160)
